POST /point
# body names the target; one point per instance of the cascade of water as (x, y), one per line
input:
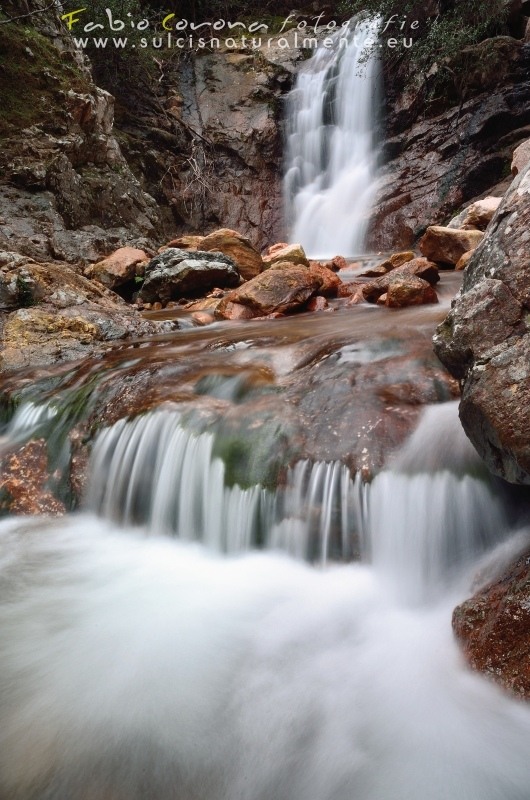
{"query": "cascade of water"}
(330, 169)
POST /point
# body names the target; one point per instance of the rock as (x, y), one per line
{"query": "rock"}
(24, 481)
(419, 268)
(428, 171)
(338, 262)
(202, 318)
(274, 248)
(521, 157)
(448, 245)
(277, 290)
(395, 260)
(480, 213)
(485, 341)
(317, 303)
(233, 311)
(493, 628)
(238, 248)
(118, 268)
(408, 290)
(294, 253)
(349, 289)
(329, 282)
(232, 244)
(464, 260)
(177, 273)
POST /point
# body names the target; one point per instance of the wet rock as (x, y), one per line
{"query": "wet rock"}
(521, 157)
(280, 290)
(177, 273)
(329, 282)
(202, 318)
(493, 628)
(395, 260)
(317, 303)
(229, 310)
(337, 263)
(118, 268)
(448, 245)
(293, 253)
(408, 275)
(485, 341)
(24, 479)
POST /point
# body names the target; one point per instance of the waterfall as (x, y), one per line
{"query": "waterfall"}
(330, 167)
(136, 666)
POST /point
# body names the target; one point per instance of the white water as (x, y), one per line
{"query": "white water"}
(331, 157)
(136, 667)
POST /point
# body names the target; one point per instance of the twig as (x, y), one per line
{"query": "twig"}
(29, 14)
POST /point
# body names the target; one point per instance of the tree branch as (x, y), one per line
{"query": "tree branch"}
(29, 14)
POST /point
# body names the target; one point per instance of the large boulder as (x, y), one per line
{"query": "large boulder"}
(231, 244)
(118, 268)
(399, 278)
(407, 290)
(448, 245)
(485, 340)
(177, 273)
(277, 290)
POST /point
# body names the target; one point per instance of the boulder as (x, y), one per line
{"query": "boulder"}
(464, 260)
(277, 290)
(231, 243)
(408, 290)
(294, 253)
(480, 213)
(274, 248)
(493, 628)
(448, 245)
(394, 261)
(177, 273)
(521, 157)
(419, 268)
(485, 340)
(229, 310)
(338, 262)
(329, 282)
(118, 268)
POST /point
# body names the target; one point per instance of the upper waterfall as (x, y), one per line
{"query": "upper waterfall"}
(331, 155)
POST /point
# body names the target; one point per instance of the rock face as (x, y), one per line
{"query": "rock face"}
(66, 191)
(52, 315)
(448, 245)
(177, 273)
(438, 164)
(493, 628)
(485, 340)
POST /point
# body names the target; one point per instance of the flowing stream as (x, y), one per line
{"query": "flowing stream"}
(331, 155)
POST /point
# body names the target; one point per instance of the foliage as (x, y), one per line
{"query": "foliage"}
(436, 39)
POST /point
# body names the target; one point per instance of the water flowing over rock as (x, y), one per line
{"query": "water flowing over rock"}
(330, 164)
(485, 343)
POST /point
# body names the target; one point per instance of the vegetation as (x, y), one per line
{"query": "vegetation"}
(430, 44)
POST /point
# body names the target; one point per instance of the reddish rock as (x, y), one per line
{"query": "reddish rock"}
(274, 248)
(422, 268)
(227, 309)
(480, 213)
(448, 245)
(338, 262)
(493, 628)
(329, 282)
(202, 318)
(394, 261)
(118, 268)
(294, 253)
(24, 482)
(401, 289)
(317, 303)
(231, 243)
(277, 290)
(464, 260)
(521, 157)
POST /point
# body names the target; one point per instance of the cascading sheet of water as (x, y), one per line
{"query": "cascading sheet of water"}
(136, 666)
(331, 155)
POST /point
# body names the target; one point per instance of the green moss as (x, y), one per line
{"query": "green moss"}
(32, 74)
